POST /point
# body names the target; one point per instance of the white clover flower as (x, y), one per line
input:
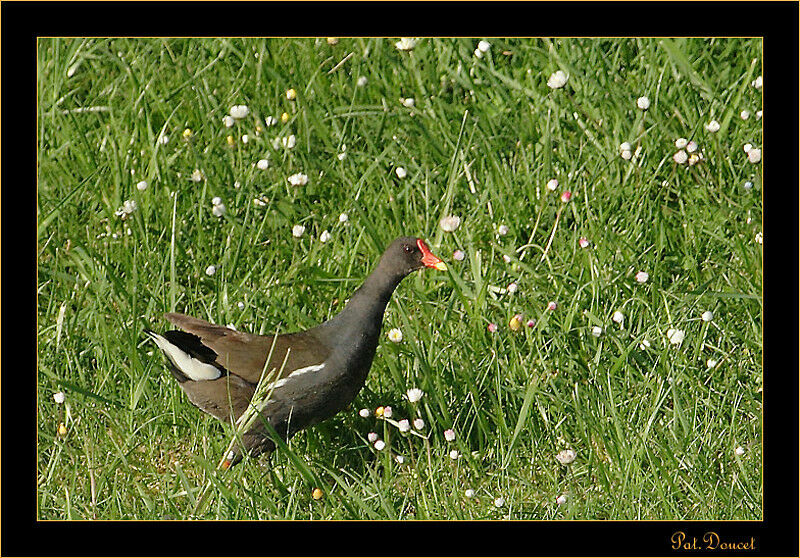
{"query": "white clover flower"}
(478, 53)
(597, 331)
(691, 147)
(512, 288)
(758, 82)
(245, 138)
(361, 81)
(754, 155)
(450, 223)
(240, 304)
(289, 142)
(711, 363)
(408, 103)
(552, 305)
(676, 336)
(395, 335)
(59, 397)
(707, 316)
(739, 451)
(459, 255)
(583, 242)
(197, 175)
(642, 277)
(643, 103)
(625, 146)
(747, 147)
(469, 493)
(414, 394)
(561, 500)
(404, 425)
(240, 111)
(680, 157)
(744, 115)
(502, 230)
(565, 457)
(552, 185)
(341, 156)
(298, 179)
(484, 46)
(228, 121)
(449, 435)
(372, 437)
(618, 317)
(379, 445)
(680, 143)
(270, 121)
(211, 270)
(400, 172)
(262, 164)
(627, 155)
(759, 238)
(454, 454)
(500, 502)
(419, 424)
(364, 413)
(400, 459)
(748, 185)
(343, 218)
(713, 126)
(406, 44)
(141, 186)
(557, 80)
(325, 236)
(387, 411)
(298, 230)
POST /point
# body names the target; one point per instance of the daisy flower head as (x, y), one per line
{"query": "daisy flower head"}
(561, 500)
(642, 277)
(395, 335)
(552, 185)
(141, 185)
(197, 176)
(406, 44)
(713, 126)
(343, 218)
(404, 425)
(469, 493)
(597, 331)
(675, 336)
(680, 157)
(400, 172)
(643, 103)
(291, 94)
(325, 236)
(59, 397)
(454, 454)
(484, 46)
(372, 437)
(499, 502)
(758, 83)
(262, 164)
(552, 305)
(516, 323)
(744, 115)
(557, 80)
(459, 255)
(298, 231)
(450, 223)
(361, 81)
(583, 242)
(228, 121)
(754, 155)
(419, 424)
(512, 288)
(414, 394)
(379, 445)
(618, 317)
(681, 143)
(408, 102)
(565, 457)
(211, 270)
(492, 327)
(239, 111)
(387, 412)
(298, 179)
(739, 451)
(707, 316)
(449, 435)
(502, 230)
(566, 195)
(364, 413)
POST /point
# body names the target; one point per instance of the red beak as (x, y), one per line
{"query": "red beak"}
(429, 259)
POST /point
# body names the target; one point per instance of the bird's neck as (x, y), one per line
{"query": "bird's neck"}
(362, 316)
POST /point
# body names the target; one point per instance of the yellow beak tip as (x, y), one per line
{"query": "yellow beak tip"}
(441, 266)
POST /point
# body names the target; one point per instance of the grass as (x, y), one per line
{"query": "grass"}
(654, 429)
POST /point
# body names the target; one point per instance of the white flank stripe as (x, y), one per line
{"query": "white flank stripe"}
(295, 373)
(190, 366)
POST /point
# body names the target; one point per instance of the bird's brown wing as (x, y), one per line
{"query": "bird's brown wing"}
(245, 354)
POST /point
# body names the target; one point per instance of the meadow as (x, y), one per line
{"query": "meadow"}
(593, 352)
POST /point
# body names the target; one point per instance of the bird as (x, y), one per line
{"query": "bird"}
(325, 367)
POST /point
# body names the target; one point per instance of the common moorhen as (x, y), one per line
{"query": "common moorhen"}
(219, 368)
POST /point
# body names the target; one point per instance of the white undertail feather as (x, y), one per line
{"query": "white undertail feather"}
(193, 368)
(295, 373)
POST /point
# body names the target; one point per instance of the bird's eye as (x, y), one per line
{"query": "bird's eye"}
(406, 247)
